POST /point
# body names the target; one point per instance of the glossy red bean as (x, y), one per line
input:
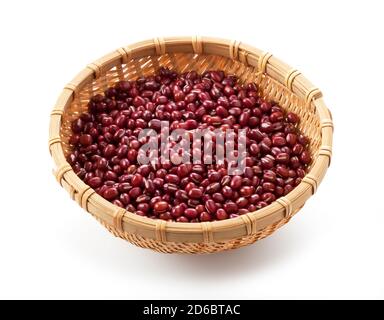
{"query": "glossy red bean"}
(254, 149)
(161, 206)
(268, 197)
(110, 193)
(195, 193)
(205, 216)
(242, 202)
(269, 176)
(292, 117)
(282, 157)
(305, 157)
(172, 178)
(95, 182)
(278, 141)
(177, 211)
(227, 192)
(137, 180)
(134, 192)
(218, 197)
(213, 187)
(267, 163)
(297, 149)
(236, 182)
(231, 207)
(211, 206)
(190, 213)
(85, 140)
(225, 181)
(247, 191)
(282, 172)
(221, 214)
(291, 139)
(268, 186)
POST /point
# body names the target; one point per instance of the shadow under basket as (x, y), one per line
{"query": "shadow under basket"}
(276, 81)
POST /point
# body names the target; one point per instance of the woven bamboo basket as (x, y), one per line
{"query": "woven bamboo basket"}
(277, 82)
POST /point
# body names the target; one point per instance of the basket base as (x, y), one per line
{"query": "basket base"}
(194, 248)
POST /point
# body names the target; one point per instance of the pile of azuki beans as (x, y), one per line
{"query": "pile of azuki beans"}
(105, 147)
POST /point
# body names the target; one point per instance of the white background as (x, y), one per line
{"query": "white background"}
(50, 248)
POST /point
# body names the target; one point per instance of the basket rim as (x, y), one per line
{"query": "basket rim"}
(164, 231)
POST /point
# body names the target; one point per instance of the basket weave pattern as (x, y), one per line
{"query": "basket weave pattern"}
(276, 81)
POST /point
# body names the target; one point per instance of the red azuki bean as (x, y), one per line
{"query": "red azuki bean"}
(195, 193)
(255, 181)
(268, 197)
(300, 172)
(278, 141)
(214, 176)
(200, 208)
(248, 172)
(211, 206)
(170, 188)
(221, 214)
(85, 140)
(95, 182)
(182, 219)
(143, 199)
(161, 206)
(268, 186)
(134, 192)
(190, 124)
(288, 188)
(276, 116)
(189, 186)
(247, 191)
(150, 187)
(124, 198)
(181, 195)
(218, 197)
(241, 202)
(144, 170)
(291, 139)
(282, 172)
(269, 176)
(205, 216)
(177, 211)
(124, 187)
(303, 139)
(236, 182)
(190, 213)
(172, 178)
(183, 170)
(213, 187)
(267, 162)
(297, 149)
(144, 207)
(305, 157)
(110, 175)
(295, 162)
(292, 117)
(227, 192)
(230, 207)
(282, 157)
(225, 181)
(254, 149)
(110, 193)
(254, 198)
(137, 180)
